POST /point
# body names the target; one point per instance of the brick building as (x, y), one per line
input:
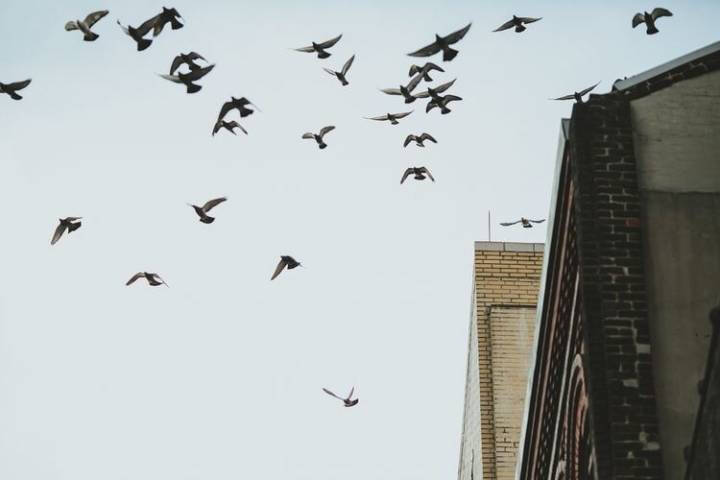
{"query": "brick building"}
(505, 290)
(632, 271)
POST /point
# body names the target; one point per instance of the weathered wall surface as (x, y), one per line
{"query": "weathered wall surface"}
(677, 147)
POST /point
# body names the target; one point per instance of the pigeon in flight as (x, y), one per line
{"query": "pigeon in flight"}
(137, 34)
(347, 401)
(229, 126)
(442, 103)
(68, 223)
(209, 205)
(443, 43)
(85, 25)
(434, 91)
(649, 19)
(168, 15)
(285, 261)
(392, 117)
(424, 70)
(577, 96)
(405, 91)
(526, 222)
(187, 59)
(418, 139)
(320, 47)
(341, 74)
(319, 137)
(187, 79)
(12, 88)
(239, 103)
(152, 278)
(516, 22)
(419, 173)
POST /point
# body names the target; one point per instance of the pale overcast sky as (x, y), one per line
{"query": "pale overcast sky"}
(219, 377)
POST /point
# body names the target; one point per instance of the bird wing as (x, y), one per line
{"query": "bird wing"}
(177, 61)
(217, 127)
(352, 390)
(210, 204)
(537, 221)
(330, 43)
(638, 19)
(405, 175)
(660, 12)
(195, 56)
(413, 70)
(403, 114)
(426, 171)
(383, 117)
(158, 277)
(227, 106)
(528, 19)
(197, 74)
(73, 219)
(124, 28)
(308, 135)
(564, 97)
(93, 17)
(444, 86)
(427, 136)
(135, 277)
(507, 224)
(280, 266)
(309, 49)
(58, 233)
(424, 94)
(234, 124)
(431, 104)
(457, 36)
(347, 65)
(409, 139)
(414, 82)
(391, 91)
(332, 394)
(172, 78)
(71, 25)
(450, 98)
(145, 27)
(18, 85)
(325, 130)
(426, 51)
(505, 26)
(588, 90)
(331, 72)
(431, 66)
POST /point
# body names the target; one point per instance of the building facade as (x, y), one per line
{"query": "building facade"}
(506, 279)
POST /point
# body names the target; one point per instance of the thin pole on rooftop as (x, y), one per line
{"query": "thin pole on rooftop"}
(489, 235)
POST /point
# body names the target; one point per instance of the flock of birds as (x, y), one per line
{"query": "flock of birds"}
(194, 72)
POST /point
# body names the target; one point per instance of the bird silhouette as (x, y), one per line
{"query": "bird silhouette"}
(138, 33)
(392, 117)
(85, 25)
(517, 22)
(435, 91)
(12, 88)
(418, 139)
(320, 48)
(68, 223)
(229, 126)
(187, 59)
(152, 278)
(341, 74)
(526, 222)
(168, 15)
(577, 96)
(424, 70)
(649, 19)
(319, 136)
(442, 103)
(285, 261)
(240, 104)
(405, 90)
(348, 402)
(442, 43)
(419, 173)
(187, 79)
(209, 205)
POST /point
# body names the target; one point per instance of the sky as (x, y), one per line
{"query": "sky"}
(220, 375)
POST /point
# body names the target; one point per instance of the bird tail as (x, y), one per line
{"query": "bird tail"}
(520, 28)
(175, 24)
(449, 54)
(90, 37)
(323, 54)
(344, 82)
(445, 110)
(207, 219)
(322, 145)
(427, 78)
(74, 226)
(143, 43)
(651, 29)
(14, 95)
(193, 88)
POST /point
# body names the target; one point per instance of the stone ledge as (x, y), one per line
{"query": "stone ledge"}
(510, 247)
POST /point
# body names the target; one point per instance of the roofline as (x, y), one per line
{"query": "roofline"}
(509, 247)
(666, 67)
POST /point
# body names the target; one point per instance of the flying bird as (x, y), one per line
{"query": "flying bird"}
(442, 43)
(320, 47)
(347, 401)
(68, 223)
(285, 261)
(419, 173)
(188, 59)
(405, 90)
(435, 91)
(239, 103)
(424, 70)
(418, 139)
(392, 117)
(649, 19)
(442, 103)
(187, 79)
(526, 222)
(518, 23)
(341, 74)
(85, 25)
(319, 136)
(137, 34)
(229, 126)
(577, 96)
(152, 278)
(12, 88)
(209, 205)
(168, 15)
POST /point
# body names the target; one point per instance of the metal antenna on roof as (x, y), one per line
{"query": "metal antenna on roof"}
(489, 231)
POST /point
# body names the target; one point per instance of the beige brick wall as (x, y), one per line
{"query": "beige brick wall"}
(506, 284)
